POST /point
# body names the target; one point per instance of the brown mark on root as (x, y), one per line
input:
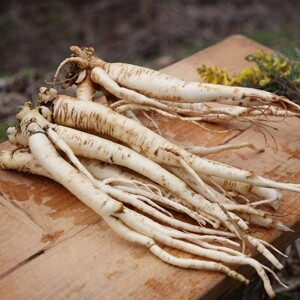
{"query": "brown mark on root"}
(173, 151)
(251, 175)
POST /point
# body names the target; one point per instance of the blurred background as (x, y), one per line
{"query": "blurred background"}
(36, 35)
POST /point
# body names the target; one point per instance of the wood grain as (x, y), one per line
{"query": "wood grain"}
(53, 247)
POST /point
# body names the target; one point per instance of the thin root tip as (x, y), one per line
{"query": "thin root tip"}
(281, 226)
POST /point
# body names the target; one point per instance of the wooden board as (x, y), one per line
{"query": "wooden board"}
(53, 247)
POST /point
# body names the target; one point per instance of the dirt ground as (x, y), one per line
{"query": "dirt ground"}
(37, 35)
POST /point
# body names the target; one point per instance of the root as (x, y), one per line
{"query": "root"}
(198, 150)
(195, 249)
(179, 192)
(131, 235)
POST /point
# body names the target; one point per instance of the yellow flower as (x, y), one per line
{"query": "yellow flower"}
(270, 72)
(249, 74)
(274, 62)
(253, 74)
(214, 75)
(263, 82)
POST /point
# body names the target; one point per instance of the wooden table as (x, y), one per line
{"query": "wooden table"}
(53, 247)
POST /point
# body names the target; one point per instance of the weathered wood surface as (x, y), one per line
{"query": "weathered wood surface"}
(53, 247)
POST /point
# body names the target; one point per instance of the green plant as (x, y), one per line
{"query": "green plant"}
(274, 72)
(3, 128)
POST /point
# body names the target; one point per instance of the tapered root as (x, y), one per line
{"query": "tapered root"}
(197, 250)
(118, 226)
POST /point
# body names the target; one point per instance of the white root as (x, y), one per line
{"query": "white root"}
(80, 148)
(207, 114)
(226, 202)
(193, 238)
(161, 86)
(262, 249)
(99, 76)
(102, 172)
(197, 250)
(130, 114)
(172, 182)
(28, 163)
(174, 178)
(158, 85)
(134, 87)
(97, 148)
(72, 113)
(94, 140)
(194, 120)
(199, 150)
(135, 201)
(48, 157)
(271, 196)
(133, 236)
(206, 192)
(218, 253)
(256, 217)
(75, 115)
(143, 231)
(226, 112)
(86, 118)
(24, 160)
(85, 87)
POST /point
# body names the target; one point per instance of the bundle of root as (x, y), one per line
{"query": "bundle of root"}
(130, 88)
(138, 181)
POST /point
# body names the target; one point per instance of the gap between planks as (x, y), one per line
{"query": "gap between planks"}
(44, 250)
